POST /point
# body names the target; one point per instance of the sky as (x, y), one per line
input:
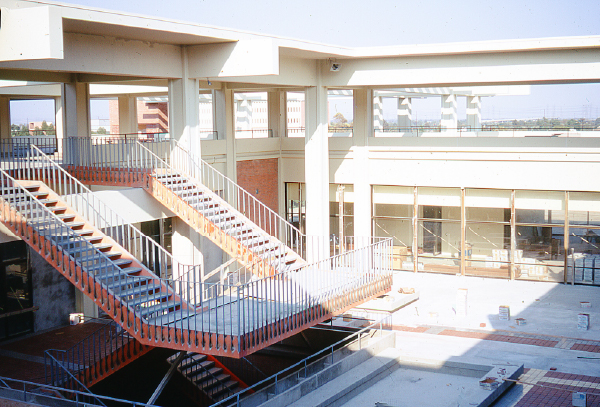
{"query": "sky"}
(388, 22)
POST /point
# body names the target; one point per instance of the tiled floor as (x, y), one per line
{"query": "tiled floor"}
(539, 388)
(23, 358)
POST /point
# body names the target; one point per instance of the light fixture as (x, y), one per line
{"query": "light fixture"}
(209, 82)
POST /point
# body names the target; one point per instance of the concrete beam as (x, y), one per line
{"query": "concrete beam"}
(500, 68)
(33, 33)
(242, 58)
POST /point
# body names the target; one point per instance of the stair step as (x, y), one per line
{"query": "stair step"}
(212, 382)
(124, 282)
(117, 262)
(141, 289)
(149, 298)
(224, 390)
(65, 216)
(57, 208)
(99, 246)
(200, 374)
(146, 311)
(190, 361)
(48, 202)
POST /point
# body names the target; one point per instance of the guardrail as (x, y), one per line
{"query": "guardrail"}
(491, 130)
(38, 166)
(57, 375)
(304, 365)
(24, 391)
(97, 355)
(254, 133)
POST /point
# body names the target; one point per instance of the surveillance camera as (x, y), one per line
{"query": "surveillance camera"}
(335, 67)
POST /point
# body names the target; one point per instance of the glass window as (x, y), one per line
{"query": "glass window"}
(584, 208)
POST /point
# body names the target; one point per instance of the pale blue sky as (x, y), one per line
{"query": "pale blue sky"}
(387, 22)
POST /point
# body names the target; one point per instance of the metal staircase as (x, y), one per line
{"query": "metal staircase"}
(213, 217)
(212, 204)
(208, 376)
(161, 302)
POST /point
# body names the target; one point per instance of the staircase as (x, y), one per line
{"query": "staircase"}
(102, 353)
(161, 302)
(208, 375)
(214, 218)
(92, 261)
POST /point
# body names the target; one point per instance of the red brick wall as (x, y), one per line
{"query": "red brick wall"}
(113, 113)
(259, 178)
(153, 117)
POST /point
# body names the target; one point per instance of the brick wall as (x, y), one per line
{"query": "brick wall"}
(113, 114)
(153, 117)
(259, 178)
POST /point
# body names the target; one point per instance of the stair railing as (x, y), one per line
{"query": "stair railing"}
(99, 353)
(40, 227)
(199, 373)
(87, 204)
(59, 376)
(263, 216)
(271, 260)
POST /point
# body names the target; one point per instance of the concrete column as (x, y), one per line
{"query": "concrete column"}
(4, 117)
(75, 119)
(377, 113)
(59, 125)
(277, 113)
(474, 112)
(226, 128)
(363, 99)
(76, 109)
(449, 113)
(128, 120)
(317, 169)
(184, 113)
(404, 113)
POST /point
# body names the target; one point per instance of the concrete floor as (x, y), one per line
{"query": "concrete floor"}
(435, 327)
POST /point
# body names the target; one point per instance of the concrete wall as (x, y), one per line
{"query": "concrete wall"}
(52, 293)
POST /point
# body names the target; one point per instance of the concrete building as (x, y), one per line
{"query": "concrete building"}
(454, 199)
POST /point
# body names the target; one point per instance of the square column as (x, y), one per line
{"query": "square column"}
(316, 157)
(224, 125)
(184, 113)
(449, 113)
(74, 112)
(59, 125)
(404, 113)
(76, 109)
(276, 101)
(474, 113)
(4, 118)
(362, 188)
(377, 113)
(128, 120)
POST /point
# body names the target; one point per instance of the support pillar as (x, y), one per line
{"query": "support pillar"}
(184, 113)
(404, 113)
(316, 157)
(363, 99)
(4, 118)
(128, 120)
(75, 118)
(449, 113)
(59, 124)
(474, 113)
(277, 113)
(225, 127)
(377, 113)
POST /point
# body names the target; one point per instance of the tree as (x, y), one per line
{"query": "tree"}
(101, 130)
(339, 119)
